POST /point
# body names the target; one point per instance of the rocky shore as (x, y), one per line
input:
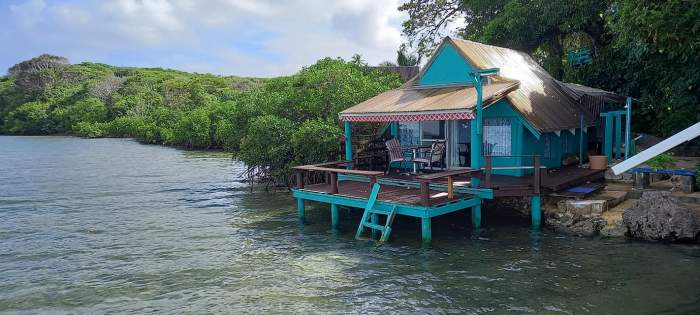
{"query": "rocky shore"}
(646, 215)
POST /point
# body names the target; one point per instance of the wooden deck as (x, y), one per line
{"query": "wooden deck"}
(388, 193)
(504, 185)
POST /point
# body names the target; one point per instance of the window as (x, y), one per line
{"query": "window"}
(547, 146)
(433, 130)
(497, 136)
(409, 133)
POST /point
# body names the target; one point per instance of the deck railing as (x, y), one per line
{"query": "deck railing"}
(332, 173)
(536, 167)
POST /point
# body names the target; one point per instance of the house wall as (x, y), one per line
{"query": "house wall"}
(448, 67)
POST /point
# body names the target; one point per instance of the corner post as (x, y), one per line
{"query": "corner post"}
(348, 141)
(335, 216)
(628, 127)
(618, 136)
(426, 231)
(476, 216)
(536, 211)
(607, 141)
(301, 209)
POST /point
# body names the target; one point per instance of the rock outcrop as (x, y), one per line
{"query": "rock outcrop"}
(660, 216)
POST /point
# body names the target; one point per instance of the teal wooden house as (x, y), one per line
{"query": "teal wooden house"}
(506, 125)
(525, 110)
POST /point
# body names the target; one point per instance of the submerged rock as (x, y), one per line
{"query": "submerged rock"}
(660, 216)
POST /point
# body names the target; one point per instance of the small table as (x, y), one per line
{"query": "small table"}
(414, 153)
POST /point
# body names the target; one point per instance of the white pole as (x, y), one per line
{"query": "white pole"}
(688, 134)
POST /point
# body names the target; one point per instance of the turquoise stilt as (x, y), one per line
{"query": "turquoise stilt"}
(301, 209)
(374, 219)
(628, 127)
(618, 136)
(607, 141)
(536, 212)
(335, 216)
(582, 127)
(476, 216)
(348, 141)
(426, 231)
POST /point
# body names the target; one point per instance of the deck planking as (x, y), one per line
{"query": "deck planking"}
(388, 193)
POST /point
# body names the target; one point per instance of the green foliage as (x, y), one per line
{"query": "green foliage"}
(267, 147)
(89, 110)
(255, 119)
(662, 161)
(193, 129)
(644, 49)
(316, 141)
(88, 129)
(30, 119)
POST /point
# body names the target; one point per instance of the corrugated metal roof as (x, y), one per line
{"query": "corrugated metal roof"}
(416, 100)
(539, 98)
(405, 72)
(577, 91)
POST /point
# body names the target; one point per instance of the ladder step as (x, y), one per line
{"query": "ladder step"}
(373, 226)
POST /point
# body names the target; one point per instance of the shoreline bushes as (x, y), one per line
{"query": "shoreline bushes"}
(269, 124)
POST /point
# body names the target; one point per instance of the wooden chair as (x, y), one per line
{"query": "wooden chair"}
(395, 153)
(436, 154)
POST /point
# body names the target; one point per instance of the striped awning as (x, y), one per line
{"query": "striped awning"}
(416, 103)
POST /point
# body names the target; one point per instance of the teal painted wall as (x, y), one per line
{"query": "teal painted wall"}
(503, 109)
(448, 67)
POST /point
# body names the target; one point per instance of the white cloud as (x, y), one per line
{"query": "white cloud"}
(236, 37)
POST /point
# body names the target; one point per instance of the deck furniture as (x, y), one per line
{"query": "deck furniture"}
(395, 153)
(435, 155)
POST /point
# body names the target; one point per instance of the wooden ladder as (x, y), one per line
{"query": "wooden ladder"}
(369, 211)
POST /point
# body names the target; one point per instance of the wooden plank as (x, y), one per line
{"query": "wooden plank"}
(433, 176)
(337, 170)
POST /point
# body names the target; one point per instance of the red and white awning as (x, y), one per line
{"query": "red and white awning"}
(407, 117)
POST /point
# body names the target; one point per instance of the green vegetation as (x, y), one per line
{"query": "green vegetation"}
(645, 49)
(662, 161)
(269, 124)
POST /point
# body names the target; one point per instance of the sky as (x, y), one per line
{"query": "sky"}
(260, 38)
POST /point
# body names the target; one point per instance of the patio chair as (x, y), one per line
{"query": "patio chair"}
(436, 154)
(395, 153)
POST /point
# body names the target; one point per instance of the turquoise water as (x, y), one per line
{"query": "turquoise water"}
(112, 226)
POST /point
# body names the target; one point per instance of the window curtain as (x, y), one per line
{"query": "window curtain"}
(497, 137)
(409, 133)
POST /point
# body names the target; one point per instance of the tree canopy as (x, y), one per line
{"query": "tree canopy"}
(645, 49)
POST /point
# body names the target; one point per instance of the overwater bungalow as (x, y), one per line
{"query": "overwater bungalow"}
(477, 122)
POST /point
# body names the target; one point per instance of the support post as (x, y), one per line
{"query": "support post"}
(580, 140)
(301, 209)
(374, 218)
(450, 188)
(536, 212)
(628, 127)
(607, 142)
(426, 231)
(348, 141)
(425, 193)
(335, 216)
(477, 125)
(476, 216)
(334, 182)
(618, 136)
